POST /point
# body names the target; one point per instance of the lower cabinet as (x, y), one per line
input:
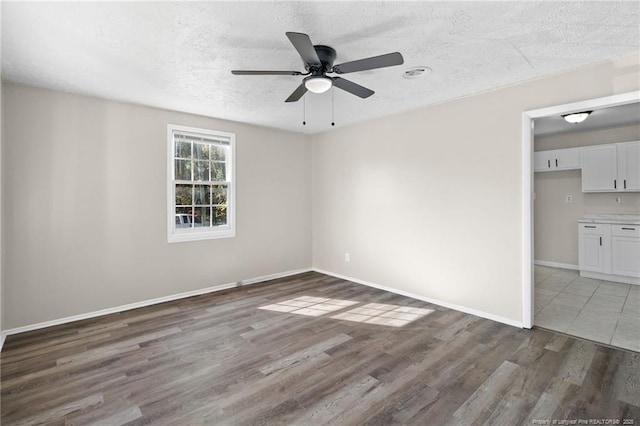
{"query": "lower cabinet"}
(610, 252)
(625, 250)
(592, 252)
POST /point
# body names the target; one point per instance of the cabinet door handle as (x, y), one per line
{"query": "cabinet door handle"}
(614, 184)
(629, 229)
(589, 226)
(556, 162)
(600, 240)
(625, 184)
(549, 163)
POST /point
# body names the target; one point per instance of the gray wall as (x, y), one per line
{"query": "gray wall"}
(85, 206)
(429, 201)
(555, 220)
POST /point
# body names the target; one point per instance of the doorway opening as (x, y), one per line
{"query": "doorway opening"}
(565, 272)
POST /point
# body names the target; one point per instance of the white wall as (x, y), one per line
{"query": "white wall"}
(426, 202)
(429, 201)
(1, 217)
(556, 229)
(85, 206)
(1, 196)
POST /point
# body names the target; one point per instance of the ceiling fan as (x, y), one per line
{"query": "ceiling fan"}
(318, 62)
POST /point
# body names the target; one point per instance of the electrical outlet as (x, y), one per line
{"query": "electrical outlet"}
(569, 198)
(617, 199)
(347, 257)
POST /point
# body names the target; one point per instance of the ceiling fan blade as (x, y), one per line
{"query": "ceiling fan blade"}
(241, 72)
(297, 94)
(305, 48)
(351, 87)
(388, 60)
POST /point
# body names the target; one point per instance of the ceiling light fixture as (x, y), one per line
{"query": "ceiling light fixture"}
(318, 83)
(576, 117)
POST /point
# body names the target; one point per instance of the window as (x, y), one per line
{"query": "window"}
(201, 184)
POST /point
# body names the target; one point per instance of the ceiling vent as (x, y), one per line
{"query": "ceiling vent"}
(416, 72)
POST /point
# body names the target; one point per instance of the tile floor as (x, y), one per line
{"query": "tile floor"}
(597, 310)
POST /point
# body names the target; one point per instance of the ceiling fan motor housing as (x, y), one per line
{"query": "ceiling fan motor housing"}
(327, 56)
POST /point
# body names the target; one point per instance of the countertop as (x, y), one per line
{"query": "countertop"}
(624, 219)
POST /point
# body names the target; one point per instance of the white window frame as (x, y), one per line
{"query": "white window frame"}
(196, 234)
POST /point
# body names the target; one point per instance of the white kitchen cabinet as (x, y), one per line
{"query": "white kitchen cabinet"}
(625, 250)
(611, 168)
(567, 159)
(605, 168)
(556, 160)
(609, 251)
(592, 240)
(541, 161)
(628, 154)
(599, 168)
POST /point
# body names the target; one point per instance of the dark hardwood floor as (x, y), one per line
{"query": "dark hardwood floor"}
(219, 359)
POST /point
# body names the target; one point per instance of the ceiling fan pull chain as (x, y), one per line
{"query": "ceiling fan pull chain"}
(333, 113)
(304, 111)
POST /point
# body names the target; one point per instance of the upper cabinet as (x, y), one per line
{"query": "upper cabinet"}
(611, 168)
(557, 159)
(599, 165)
(605, 168)
(629, 165)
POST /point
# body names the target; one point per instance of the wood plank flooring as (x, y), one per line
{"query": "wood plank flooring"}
(219, 359)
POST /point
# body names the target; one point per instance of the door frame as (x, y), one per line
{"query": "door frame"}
(527, 183)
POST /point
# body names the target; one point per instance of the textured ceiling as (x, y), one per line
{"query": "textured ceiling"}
(178, 55)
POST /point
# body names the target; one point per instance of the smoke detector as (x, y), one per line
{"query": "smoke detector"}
(416, 72)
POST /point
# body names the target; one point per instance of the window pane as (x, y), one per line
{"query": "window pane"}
(202, 195)
(183, 149)
(183, 170)
(219, 215)
(183, 217)
(184, 195)
(201, 151)
(202, 217)
(218, 153)
(219, 194)
(201, 171)
(218, 171)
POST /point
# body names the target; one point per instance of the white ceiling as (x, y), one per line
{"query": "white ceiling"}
(178, 55)
(618, 116)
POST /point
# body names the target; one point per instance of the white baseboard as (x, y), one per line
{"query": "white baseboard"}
(460, 308)
(556, 264)
(607, 277)
(149, 302)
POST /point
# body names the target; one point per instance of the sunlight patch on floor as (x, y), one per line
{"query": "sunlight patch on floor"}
(371, 313)
(308, 305)
(383, 314)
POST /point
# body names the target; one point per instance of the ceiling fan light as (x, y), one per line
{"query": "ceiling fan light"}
(318, 84)
(576, 117)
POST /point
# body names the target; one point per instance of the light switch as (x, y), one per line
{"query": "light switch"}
(569, 198)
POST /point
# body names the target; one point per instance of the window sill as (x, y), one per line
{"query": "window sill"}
(183, 237)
